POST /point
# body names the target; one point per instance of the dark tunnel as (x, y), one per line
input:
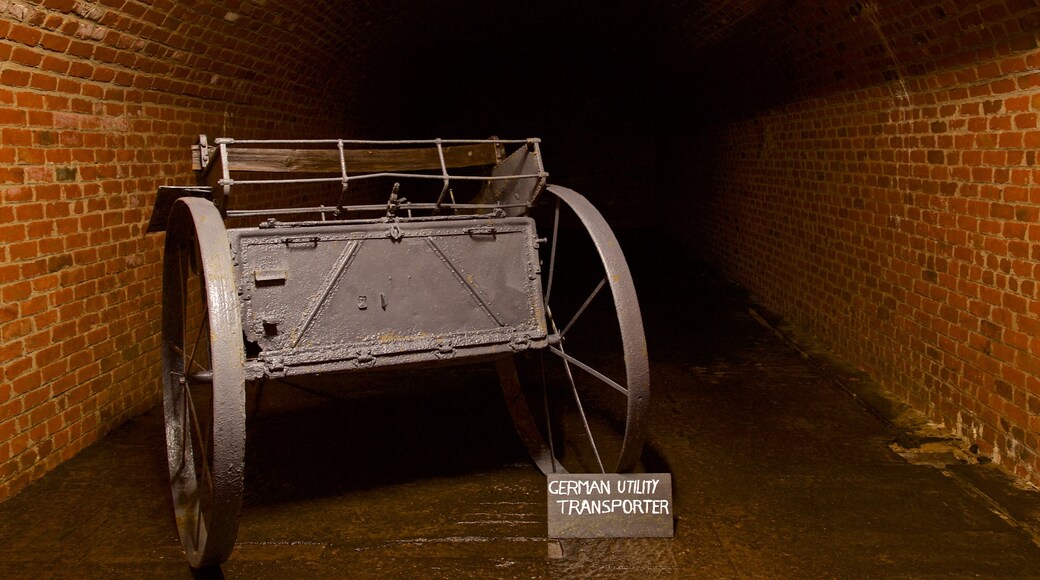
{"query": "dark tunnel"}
(867, 170)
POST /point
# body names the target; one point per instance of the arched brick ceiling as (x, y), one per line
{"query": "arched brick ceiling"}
(393, 67)
(427, 66)
(751, 55)
(377, 67)
(244, 53)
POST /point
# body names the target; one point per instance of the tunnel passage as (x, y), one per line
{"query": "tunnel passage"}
(867, 169)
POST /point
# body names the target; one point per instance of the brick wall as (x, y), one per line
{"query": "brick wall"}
(888, 200)
(100, 100)
(99, 103)
(866, 167)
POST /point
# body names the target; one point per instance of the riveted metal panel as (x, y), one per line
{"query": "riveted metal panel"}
(349, 295)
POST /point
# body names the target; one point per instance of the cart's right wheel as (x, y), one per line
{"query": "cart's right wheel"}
(580, 404)
(203, 382)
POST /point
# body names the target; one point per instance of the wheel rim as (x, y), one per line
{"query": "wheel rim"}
(203, 382)
(580, 404)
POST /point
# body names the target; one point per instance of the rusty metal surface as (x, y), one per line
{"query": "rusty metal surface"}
(226, 164)
(347, 296)
(519, 194)
(203, 381)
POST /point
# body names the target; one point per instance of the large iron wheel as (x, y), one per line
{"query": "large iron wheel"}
(203, 382)
(580, 404)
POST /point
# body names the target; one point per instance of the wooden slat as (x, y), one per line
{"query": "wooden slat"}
(358, 160)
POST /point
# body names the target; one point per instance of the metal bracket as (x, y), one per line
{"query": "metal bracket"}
(394, 203)
(445, 350)
(365, 359)
(520, 342)
(203, 152)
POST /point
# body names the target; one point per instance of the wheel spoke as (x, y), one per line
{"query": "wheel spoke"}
(198, 337)
(569, 359)
(552, 252)
(202, 486)
(185, 419)
(196, 363)
(203, 324)
(583, 307)
(203, 450)
(185, 433)
(198, 521)
(581, 412)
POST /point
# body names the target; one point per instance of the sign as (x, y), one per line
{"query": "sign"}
(611, 505)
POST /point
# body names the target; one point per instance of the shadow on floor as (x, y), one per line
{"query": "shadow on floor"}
(777, 474)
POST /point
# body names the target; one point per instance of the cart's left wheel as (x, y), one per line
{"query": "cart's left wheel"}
(203, 382)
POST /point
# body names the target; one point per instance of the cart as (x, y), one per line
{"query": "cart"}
(522, 275)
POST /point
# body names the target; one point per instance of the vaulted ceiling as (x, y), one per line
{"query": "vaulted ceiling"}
(402, 66)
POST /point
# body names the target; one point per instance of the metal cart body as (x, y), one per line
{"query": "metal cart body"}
(348, 287)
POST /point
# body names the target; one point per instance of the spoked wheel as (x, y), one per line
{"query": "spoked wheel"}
(580, 404)
(203, 382)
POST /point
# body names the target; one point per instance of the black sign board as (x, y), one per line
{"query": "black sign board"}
(612, 505)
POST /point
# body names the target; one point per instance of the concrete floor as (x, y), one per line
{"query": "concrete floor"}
(781, 469)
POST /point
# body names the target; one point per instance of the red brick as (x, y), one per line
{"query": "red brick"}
(1003, 86)
(27, 57)
(55, 64)
(43, 82)
(1011, 139)
(10, 116)
(877, 184)
(81, 70)
(24, 34)
(55, 42)
(14, 78)
(80, 49)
